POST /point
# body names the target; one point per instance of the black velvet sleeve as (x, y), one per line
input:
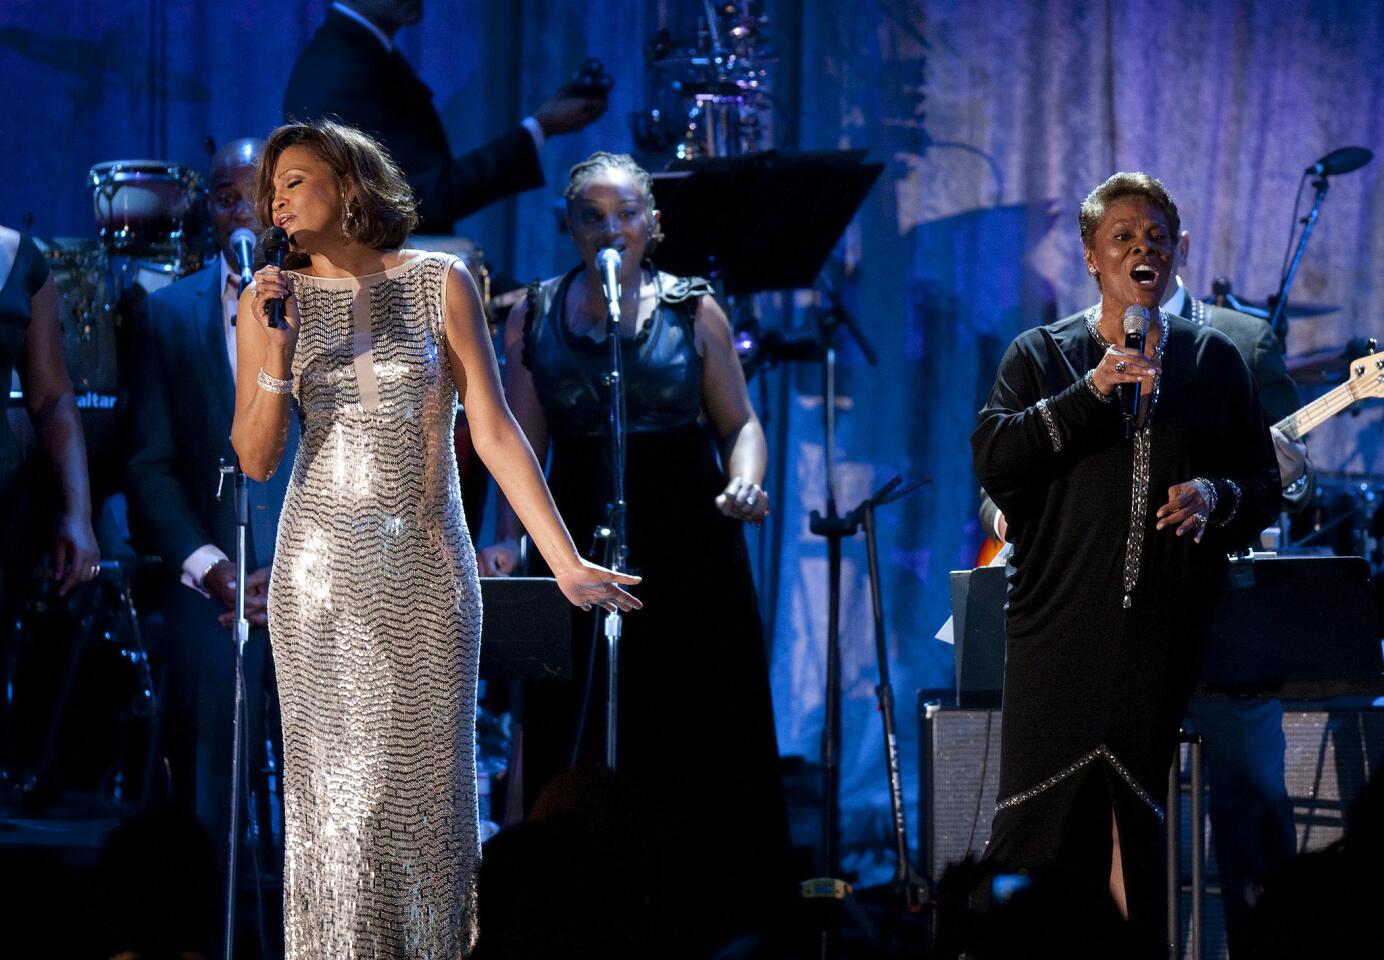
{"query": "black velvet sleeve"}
(1040, 417)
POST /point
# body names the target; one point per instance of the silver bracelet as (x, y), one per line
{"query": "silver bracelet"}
(274, 384)
(1090, 381)
(1208, 493)
(1295, 488)
(1236, 495)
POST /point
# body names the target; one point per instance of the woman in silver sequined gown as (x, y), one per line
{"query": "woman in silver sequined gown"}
(374, 603)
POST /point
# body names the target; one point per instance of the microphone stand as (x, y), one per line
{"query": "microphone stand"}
(907, 883)
(242, 636)
(1278, 320)
(829, 886)
(613, 531)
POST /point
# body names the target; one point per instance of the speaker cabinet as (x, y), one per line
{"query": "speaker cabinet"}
(1330, 755)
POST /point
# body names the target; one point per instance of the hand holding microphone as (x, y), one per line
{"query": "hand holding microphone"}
(273, 289)
(1126, 370)
(1136, 325)
(275, 247)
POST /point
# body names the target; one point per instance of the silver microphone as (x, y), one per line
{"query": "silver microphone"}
(1136, 324)
(608, 262)
(243, 243)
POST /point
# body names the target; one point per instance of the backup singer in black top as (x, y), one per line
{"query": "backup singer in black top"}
(696, 720)
(1119, 553)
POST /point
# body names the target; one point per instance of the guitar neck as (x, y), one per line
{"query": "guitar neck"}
(1299, 423)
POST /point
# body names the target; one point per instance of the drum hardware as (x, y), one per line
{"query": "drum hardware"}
(1331, 366)
(1222, 295)
(714, 96)
(1344, 160)
(1344, 519)
(79, 709)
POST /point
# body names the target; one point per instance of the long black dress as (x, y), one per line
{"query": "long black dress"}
(1106, 615)
(696, 718)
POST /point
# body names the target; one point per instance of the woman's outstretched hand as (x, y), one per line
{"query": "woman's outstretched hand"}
(588, 584)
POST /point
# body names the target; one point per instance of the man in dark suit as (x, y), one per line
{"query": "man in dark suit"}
(182, 398)
(1251, 815)
(352, 70)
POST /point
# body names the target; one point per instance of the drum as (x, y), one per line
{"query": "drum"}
(142, 206)
(90, 315)
(78, 699)
(1345, 518)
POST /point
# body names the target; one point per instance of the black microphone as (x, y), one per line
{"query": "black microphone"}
(608, 262)
(275, 244)
(1136, 323)
(1337, 162)
(243, 243)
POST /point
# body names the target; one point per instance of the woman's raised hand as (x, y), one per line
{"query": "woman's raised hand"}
(271, 283)
(1122, 365)
(588, 584)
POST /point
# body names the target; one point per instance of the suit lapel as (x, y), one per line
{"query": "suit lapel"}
(212, 335)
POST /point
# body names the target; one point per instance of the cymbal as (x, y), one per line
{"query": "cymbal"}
(1319, 368)
(1297, 310)
(1327, 367)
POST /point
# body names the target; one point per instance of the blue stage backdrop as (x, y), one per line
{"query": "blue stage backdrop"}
(993, 119)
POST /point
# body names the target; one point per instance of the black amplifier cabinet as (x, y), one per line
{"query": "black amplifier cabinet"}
(1330, 755)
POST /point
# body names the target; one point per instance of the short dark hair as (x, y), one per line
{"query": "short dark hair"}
(385, 211)
(1119, 186)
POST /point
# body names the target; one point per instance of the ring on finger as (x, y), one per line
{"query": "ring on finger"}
(1200, 518)
(1121, 366)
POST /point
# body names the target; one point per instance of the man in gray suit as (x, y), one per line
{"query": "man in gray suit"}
(181, 401)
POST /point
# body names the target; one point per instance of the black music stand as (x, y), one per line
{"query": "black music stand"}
(769, 221)
(764, 221)
(526, 631)
(1295, 628)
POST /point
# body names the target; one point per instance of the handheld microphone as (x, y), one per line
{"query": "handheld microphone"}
(243, 243)
(608, 262)
(1136, 324)
(1337, 162)
(275, 243)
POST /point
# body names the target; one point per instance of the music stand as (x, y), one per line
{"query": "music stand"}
(769, 221)
(765, 221)
(526, 631)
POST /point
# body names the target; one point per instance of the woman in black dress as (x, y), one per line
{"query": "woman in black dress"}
(1120, 551)
(696, 721)
(31, 344)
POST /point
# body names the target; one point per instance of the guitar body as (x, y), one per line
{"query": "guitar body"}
(988, 551)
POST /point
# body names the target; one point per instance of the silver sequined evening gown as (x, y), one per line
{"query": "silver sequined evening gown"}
(374, 616)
